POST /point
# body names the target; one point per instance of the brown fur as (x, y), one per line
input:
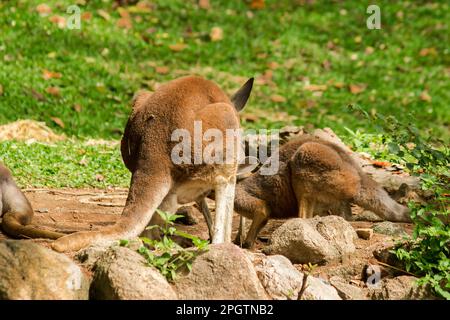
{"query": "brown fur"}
(146, 150)
(314, 177)
(16, 210)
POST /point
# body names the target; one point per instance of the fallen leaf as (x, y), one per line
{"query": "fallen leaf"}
(272, 65)
(99, 177)
(60, 21)
(105, 15)
(216, 34)
(86, 16)
(257, 4)
(357, 39)
(43, 9)
(326, 64)
(83, 162)
(47, 75)
(428, 52)
(123, 12)
(177, 47)
(37, 95)
(125, 23)
(355, 88)
(249, 117)
(58, 121)
(54, 91)
(77, 107)
(315, 87)
(380, 164)
(204, 4)
(339, 85)
(369, 50)
(277, 98)
(1, 90)
(424, 96)
(162, 70)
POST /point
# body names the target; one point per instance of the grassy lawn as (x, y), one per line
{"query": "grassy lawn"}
(311, 62)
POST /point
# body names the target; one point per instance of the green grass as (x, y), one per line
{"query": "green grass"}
(102, 65)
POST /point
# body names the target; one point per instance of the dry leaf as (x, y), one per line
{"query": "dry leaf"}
(355, 88)
(216, 34)
(315, 87)
(123, 12)
(86, 16)
(380, 164)
(272, 65)
(339, 85)
(177, 47)
(204, 4)
(77, 107)
(46, 74)
(277, 98)
(58, 121)
(60, 21)
(83, 162)
(125, 23)
(37, 95)
(428, 52)
(257, 4)
(43, 9)
(105, 15)
(54, 91)
(162, 70)
(99, 177)
(1, 90)
(369, 50)
(424, 96)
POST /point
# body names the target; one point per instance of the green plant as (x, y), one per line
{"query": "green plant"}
(165, 254)
(427, 251)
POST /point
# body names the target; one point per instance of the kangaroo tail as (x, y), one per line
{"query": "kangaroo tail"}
(13, 227)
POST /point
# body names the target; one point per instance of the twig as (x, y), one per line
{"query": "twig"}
(304, 286)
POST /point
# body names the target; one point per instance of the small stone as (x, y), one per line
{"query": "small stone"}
(42, 210)
(347, 291)
(367, 215)
(364, 233)
(389, 228)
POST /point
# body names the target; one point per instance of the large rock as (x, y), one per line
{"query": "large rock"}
(122, 274)
(347, 291)
(32, 272)
(402, 288)
(316, 240)
(282, 281)
(223, 272)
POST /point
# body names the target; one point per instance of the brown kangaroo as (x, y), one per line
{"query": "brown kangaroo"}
(314, 177)
(16, 210)
(158, 182)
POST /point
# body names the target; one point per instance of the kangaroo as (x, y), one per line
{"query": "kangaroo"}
(158, 182)
(16, 210)
(314, 177)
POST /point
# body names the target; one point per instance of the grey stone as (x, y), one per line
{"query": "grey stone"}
(389, 228)
(122, 274)
(316, 240)
(32, 272)
(224, 272)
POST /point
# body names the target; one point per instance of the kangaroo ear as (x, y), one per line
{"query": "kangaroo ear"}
(250, 164)
(239, 99)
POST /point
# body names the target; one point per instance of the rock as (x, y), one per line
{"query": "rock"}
(317, 289)
(122, 274)
(278, 276)
(188, 213)
(347, 291)
(389, 228)
(282, 281)
(402, 288)
(316, 240)
(364, 233)
(367, 215)
(224, 272)
(89, 256)
(32, 272)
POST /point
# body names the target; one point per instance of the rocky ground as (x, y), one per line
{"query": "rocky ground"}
(352, 257)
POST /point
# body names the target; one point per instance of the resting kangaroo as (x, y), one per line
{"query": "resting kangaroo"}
(16, 210)
(157, 182)
(314, 177)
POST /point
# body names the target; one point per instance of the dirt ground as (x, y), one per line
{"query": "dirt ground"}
(69, 210)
